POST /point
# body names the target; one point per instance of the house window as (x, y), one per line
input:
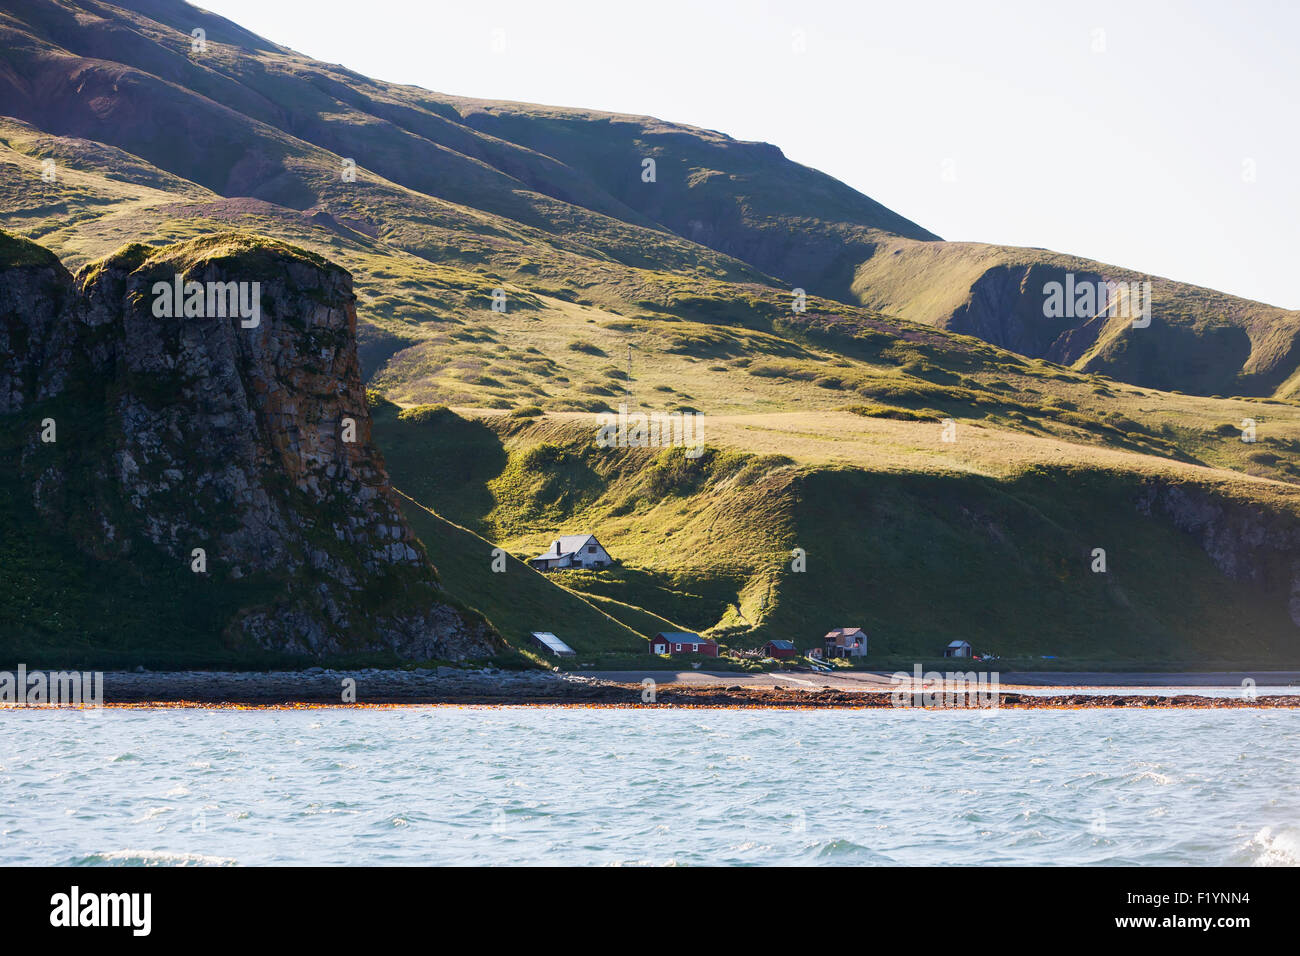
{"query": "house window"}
(591, 549)
(679, 647)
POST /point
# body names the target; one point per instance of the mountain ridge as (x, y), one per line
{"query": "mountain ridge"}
(252, 118)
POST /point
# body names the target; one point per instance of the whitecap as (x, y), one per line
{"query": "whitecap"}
(1267, 848)
(154, 858)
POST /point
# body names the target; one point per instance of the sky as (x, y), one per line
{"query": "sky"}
(1161, 136)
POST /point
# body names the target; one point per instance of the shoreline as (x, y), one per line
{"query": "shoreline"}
(318, 687)
(1007, 680)
(1082, 702)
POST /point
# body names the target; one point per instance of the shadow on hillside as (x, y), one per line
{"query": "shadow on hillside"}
(1058, 561)
(442, 460)
(691, 598)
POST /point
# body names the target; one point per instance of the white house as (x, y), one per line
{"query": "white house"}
(846, 642)
(957, 649)
(573, 551)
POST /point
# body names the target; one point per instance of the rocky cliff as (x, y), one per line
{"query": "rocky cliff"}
(223, 432)
(1247, 541)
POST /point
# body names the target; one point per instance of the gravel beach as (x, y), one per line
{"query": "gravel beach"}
(449, 685)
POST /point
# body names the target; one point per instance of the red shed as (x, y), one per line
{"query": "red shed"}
(780, 649)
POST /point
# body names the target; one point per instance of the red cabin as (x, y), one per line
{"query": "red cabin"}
(672, 642)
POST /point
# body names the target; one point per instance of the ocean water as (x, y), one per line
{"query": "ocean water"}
(532, 785)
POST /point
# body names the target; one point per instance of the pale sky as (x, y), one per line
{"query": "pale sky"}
(1161, 136)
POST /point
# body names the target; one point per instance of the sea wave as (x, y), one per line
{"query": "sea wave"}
(1274, 848)
(560, 786)
(151, 858)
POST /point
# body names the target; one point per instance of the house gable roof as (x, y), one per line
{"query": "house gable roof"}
(682, 637)
(566, 544)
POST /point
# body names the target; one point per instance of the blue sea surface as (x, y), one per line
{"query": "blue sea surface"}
(552, 785)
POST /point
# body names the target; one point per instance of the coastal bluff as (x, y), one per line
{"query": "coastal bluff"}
(209, 467)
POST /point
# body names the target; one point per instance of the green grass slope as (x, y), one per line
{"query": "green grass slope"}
(1199, 340)
(920, 560)
(518, 600)
(991, 541)
(455, 197)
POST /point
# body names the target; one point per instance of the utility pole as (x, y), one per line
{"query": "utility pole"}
(628, 385)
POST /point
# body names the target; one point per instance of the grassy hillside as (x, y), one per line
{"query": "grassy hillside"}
(1199, 340)
(515, 274)
(990, 538)
(1007, 565)
(518, 600)
(455, 197)
(428, 334)
(433, 452)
